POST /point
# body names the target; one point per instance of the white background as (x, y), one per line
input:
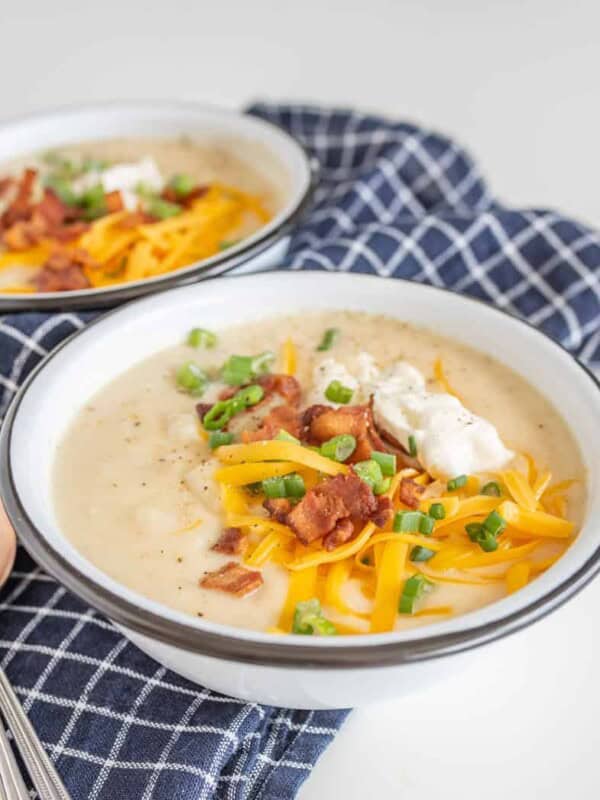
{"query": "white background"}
(517, 82)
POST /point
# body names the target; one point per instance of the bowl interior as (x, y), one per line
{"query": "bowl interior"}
(120, 339)
(269, 151)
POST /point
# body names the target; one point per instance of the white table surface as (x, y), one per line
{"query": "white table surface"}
(517, 83)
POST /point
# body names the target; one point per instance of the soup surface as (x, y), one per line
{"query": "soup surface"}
(142, 495)
(115, 211)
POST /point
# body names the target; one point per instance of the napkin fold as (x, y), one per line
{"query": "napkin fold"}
(393, 200)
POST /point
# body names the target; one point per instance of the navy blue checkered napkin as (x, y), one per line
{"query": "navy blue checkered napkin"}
(393, 200)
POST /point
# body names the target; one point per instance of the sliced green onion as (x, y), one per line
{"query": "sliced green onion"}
(284, 436)
(309, 620)
(427, 525)
(494, 523)
(457, 483)
(339, 448)
(294, 485)
(387, 462)
(407, 521)
(414, 589)
(162, 209)
(437, 511)
(93, 203)
(412, 446)
(94, 164)
(486, 533)
(242, 369)
(274, 487)
(492, 489)
(336, 392)
(218, 438)
(369, 472)
(291, 486)
(328, 340)
(419, 553)
(191, 378)
(200, 337)
(218, 416)
(478, 534)
(262, 362)
(413, 522)
(383, 486)
(237, 370)
(182, 185)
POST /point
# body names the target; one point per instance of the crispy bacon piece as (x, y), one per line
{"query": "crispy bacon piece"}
(343, 532)
(316, 515)
(20, 207)
(278, 508)
(72, 231)
(63, 271)
(51, 209)
(410, 492)
(322, 423)
(324, 507)
(135, 218)
(233, 579)
(114, 201)
(384, 511)
(282, 417)
(19, 236)
(6, 184)
(232, 542)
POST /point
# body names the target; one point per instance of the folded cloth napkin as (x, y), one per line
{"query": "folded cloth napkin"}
(393, 200)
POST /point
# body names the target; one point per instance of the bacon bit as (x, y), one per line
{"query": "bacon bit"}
(169, 194)
(343, 532)
(72, 231)
(63, 271)
(51, 209)
(278, 508)
(233, 579)
(202, 409)
(20, 207)
(322, 423)
(335, 499)
(316, 515)
(134, 219)
(232, 542)
(410, 492)
(114, 202)
(282, 417)
(5, 185)
(195, 194)
(384, 512)
(19, 236)
(285, 386)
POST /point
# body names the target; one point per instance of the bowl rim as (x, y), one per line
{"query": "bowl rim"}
(295, 653)
(218, 264)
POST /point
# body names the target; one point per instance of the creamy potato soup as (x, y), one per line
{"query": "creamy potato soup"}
(330, 473)
(109, 212)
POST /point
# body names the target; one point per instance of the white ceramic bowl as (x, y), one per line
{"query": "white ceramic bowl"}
(267, 148)
(296, 671)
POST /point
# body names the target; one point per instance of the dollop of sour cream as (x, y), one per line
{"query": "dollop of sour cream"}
(450, 439)
(125, 178)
